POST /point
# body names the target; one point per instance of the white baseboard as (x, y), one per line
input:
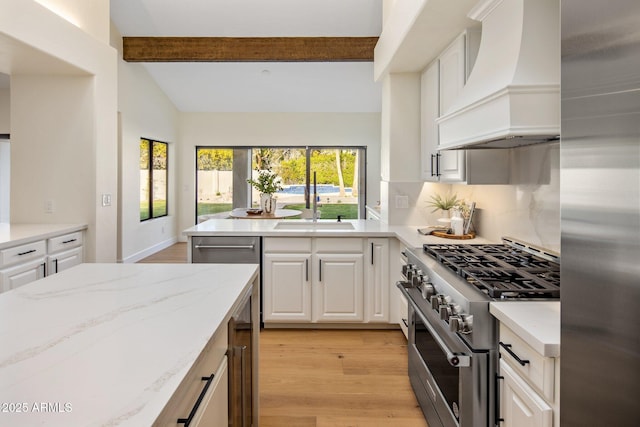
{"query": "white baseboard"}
(150, 251)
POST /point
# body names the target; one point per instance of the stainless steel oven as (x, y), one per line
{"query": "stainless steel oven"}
(453, 348)
(451, 381)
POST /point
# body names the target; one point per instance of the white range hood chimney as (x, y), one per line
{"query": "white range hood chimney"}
(512, 96)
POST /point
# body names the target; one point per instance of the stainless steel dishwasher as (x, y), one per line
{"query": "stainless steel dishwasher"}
(229, 250)
(226, 249)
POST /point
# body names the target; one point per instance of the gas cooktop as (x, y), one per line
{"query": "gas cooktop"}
(502, 270)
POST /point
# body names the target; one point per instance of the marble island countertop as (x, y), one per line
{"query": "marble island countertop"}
(108, 344)
(407, 234)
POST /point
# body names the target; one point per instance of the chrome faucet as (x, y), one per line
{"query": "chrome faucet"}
(315, 199)
(315, 208)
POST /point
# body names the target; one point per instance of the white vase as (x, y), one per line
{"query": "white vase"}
(267, 203)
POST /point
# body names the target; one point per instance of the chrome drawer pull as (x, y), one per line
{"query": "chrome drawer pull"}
(515, 356)
(225, 247)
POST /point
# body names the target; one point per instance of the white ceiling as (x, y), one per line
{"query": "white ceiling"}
(259, 87)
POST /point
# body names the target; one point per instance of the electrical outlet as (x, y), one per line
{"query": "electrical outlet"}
(402, 202)
(49, 207)
(106, 200)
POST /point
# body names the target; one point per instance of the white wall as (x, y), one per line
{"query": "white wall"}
(89, 15)
(63, 122)
(273, 129)
(144, 112)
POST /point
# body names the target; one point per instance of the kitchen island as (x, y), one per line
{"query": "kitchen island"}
(111, 344)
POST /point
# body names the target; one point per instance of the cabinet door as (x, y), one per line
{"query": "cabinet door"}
(16, 276)
(213, 410)
(452, 73)
(287, 288)
(520, 405)
(429, 112)
(338, 288)
(377, 281)
(64, 260)
(452, 79)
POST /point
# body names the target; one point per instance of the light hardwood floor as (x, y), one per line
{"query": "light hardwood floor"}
(329, 378)
(336, 378)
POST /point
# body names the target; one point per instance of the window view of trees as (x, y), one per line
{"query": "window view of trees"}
(336, 170)
(154, 157)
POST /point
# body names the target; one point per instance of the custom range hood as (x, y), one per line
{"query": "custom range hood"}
(512, 96)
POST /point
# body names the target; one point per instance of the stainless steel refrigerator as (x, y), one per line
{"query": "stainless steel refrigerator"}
(600, 213)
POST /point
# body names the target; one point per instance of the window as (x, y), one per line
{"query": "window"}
(154, 156)
(222, 173)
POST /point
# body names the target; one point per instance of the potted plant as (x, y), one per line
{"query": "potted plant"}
(267, 182)
(444, 203)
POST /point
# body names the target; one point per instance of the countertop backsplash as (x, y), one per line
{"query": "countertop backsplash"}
(529, 208)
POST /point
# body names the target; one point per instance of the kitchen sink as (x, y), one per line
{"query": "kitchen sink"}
(313, 226)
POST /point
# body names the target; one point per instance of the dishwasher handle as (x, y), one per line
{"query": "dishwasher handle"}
(250, 247)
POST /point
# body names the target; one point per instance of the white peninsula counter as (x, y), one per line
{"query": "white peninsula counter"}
(109, 344)
(407, 234)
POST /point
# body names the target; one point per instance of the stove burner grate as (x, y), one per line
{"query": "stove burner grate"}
(510, 283)
(499, 270)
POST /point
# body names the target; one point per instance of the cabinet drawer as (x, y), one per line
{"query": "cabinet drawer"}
(65, 242)
(340, 245)
(537, 369)
(287, 244)
(184, 398)
(22, 253)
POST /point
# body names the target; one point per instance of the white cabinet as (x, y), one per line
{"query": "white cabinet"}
(338, 287)
(64, 252)
(322, 280)
(287, 287)
(441, 83)
(377, 280)
(529, 395)
(21, 274)
(520, 405)
(22, 264)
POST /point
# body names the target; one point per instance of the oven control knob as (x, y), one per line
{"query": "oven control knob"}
(460, 323)
(438, 300)
(427, 290)
(435, 302)
(406, 268)
(417, 278)
(446, 311)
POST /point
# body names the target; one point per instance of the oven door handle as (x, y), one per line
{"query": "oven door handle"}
(455, 359)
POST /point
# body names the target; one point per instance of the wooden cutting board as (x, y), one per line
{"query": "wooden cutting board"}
(444, 235)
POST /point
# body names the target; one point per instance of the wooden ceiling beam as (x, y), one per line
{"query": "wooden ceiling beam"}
(248, 49)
